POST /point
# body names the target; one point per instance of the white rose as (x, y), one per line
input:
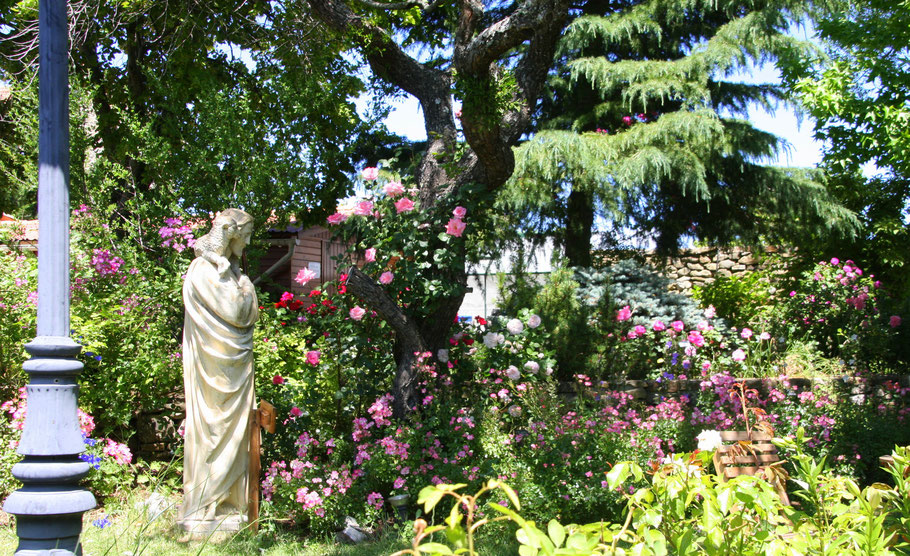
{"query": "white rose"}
(443, 355)
(491, 339)
(709, 440)
(514, 326)
(532, 367)
(533, 321)
(512, 373)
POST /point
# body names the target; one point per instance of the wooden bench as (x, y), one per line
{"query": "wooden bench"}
(744, 455)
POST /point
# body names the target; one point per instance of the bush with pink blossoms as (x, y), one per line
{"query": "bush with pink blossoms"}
(839, 307)
(110, 470)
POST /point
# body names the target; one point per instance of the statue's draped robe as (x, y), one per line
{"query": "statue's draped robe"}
(218, 378)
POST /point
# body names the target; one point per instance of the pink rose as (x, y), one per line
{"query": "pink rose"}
(624, 314)
(746, 333)
(696, 339)
(677, 325)
(640, 330)
(304, 276)
(312, 357)
(386, 277)
(710, 312)
(894, 321)
(370, 255)
(363, 208)
(455, 227)
(739, 355)
(357, 312)
(658, 326)
(404, 205)
(296, 412)
(835, 261)
(393, 188)
(459, 212)
(370, 173)
(337, 218)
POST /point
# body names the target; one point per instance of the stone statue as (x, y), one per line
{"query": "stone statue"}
(221, 311)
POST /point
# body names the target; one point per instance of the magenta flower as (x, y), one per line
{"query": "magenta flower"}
(296, 411)
(894, 321)
(677, 325)
(658, 326)
(404, 205)
(835, 261)
(312, 357)
(746, 333)
(370, 173)
(624, 314)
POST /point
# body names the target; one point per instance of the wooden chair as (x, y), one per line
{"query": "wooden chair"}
(744, 455)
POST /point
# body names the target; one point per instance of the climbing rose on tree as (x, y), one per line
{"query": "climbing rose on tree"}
(404, 205)
(386, 277)
(370, 255)
(459, 212)
(357, 312)
(455, 227)
(337, 218)
(393, 188)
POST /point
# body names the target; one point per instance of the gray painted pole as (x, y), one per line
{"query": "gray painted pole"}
(50, 504)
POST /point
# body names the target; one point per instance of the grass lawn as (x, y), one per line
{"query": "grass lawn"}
(132, 533)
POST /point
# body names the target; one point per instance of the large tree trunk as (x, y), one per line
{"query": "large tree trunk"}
(579, 222)
(447, 172)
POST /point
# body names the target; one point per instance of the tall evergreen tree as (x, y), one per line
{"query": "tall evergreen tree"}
(642, 130)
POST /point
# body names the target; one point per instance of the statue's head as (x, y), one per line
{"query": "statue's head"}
(236, 228)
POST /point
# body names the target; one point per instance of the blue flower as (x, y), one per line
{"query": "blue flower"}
(91, 459)
(97, 358)
(674, 359)
(89, 441)
(102, 523)
(89, 353)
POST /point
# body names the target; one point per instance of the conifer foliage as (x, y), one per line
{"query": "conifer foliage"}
(643, 129)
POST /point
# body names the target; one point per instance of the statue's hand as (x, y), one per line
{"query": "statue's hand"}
(222, 265)
(246, 286)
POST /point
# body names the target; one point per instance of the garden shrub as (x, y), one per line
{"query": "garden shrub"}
(836, 306)
(110, 471)
(743, 300)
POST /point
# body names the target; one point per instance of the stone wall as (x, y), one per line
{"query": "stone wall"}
(701, 265)
(157, 436)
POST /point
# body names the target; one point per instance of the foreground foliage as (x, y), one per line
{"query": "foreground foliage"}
(685, 510)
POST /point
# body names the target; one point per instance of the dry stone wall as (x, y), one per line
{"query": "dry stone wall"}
(701, 265)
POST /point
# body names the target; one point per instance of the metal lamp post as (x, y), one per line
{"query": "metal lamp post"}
(50, 504)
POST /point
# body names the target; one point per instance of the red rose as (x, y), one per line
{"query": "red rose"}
(277, 379)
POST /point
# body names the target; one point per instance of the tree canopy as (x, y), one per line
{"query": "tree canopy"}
(194, 106)
(858, 93)
(643, 130)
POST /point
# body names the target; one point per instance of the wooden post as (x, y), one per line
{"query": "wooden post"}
(262, 418)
